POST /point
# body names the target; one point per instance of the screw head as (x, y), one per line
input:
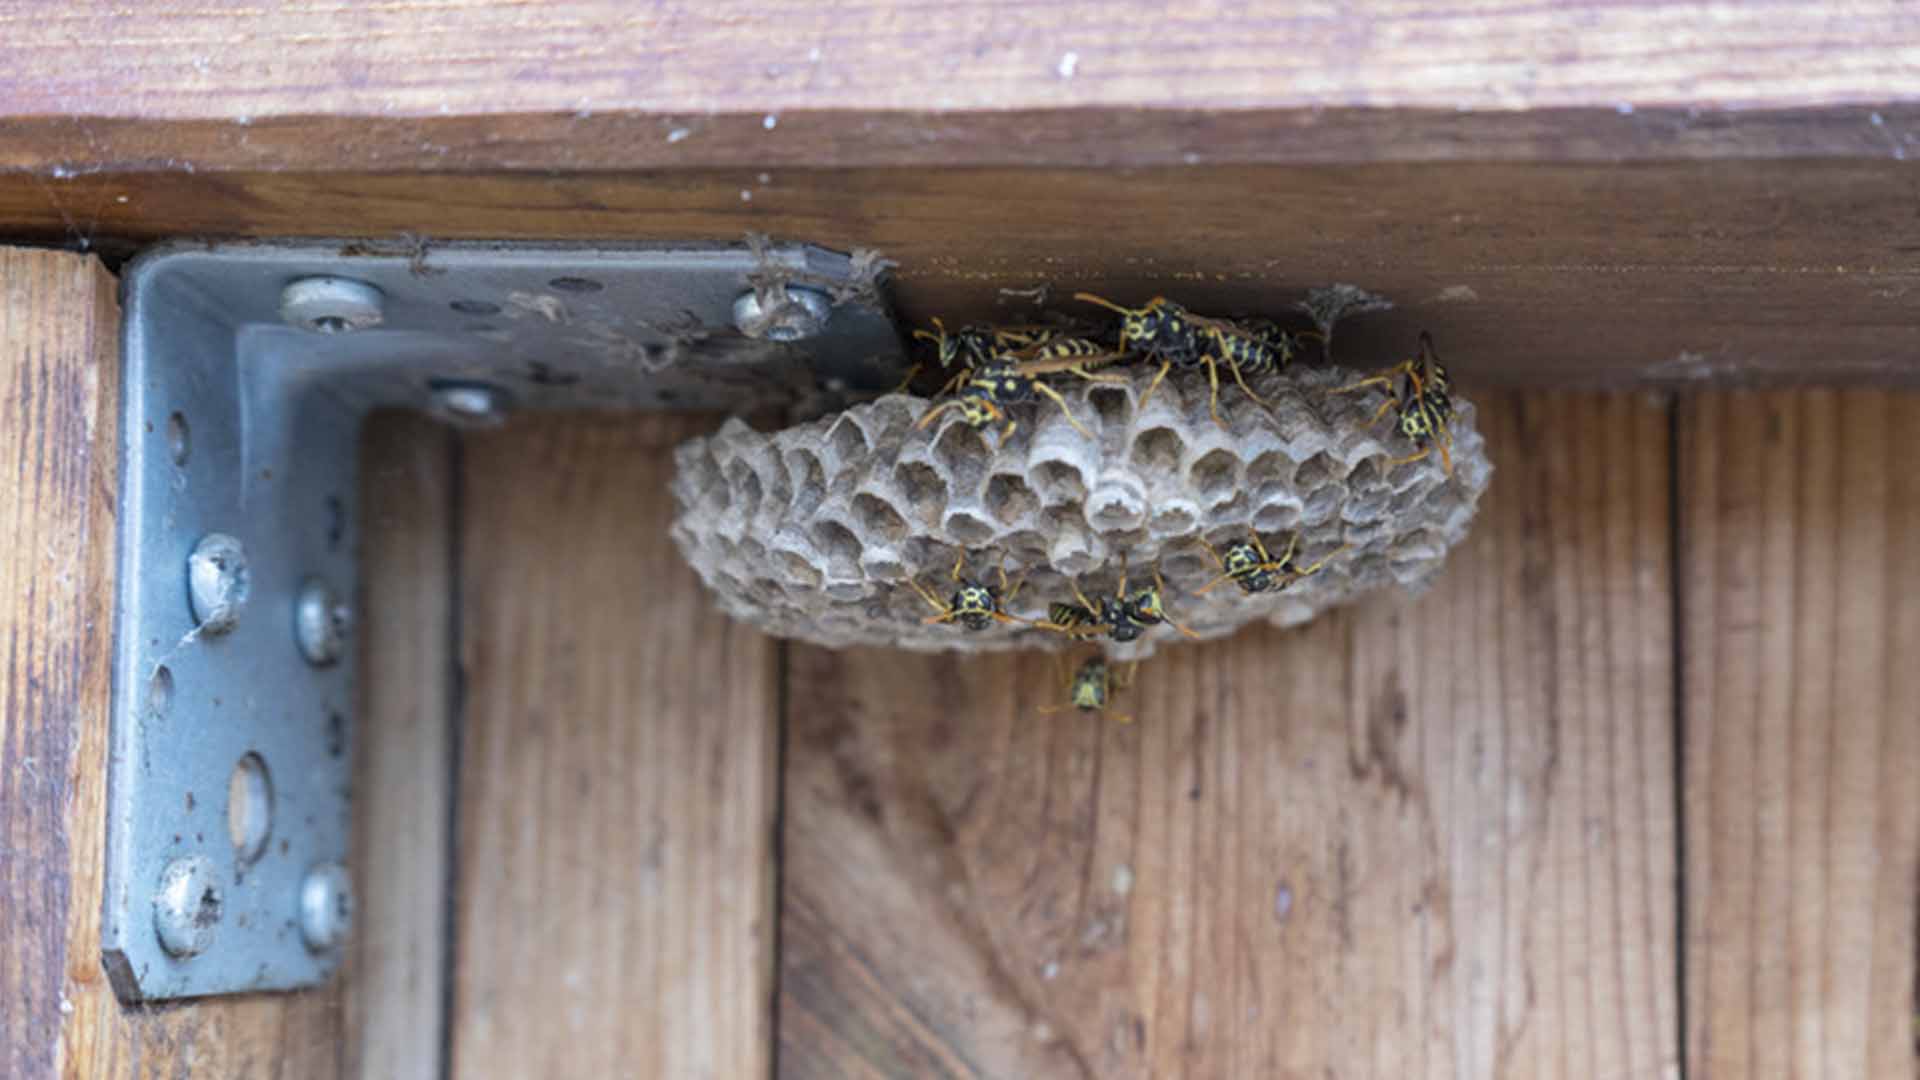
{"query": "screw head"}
(469, 405)
(186, 906)
(217, 582)
(326, 906)
(321, 622)
(331, 305)
(803, 315)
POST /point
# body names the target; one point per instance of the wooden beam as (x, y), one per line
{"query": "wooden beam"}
(1789, 270)
(595, 84)
(396, 975)
(1432, 836)
(617, 792)
(1801, 545)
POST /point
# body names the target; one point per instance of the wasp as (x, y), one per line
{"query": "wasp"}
(1165, 331)
(1090, 688)
(1122, 617)
(973, 605)
(972, 346)
(1418, 391)
(1248, 565)
(985, 391)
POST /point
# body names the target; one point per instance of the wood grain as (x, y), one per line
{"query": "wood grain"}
(1432, 836)
(396, 975)
(1801, 544)
(59, 393)
(498, 83)
(617, 789)
(1788, 270)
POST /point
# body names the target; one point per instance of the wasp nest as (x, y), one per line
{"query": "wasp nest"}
(815, 532)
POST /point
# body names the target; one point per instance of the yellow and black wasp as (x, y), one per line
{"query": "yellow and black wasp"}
(1165, 331)
(987, 390)
(1247, 564)
(974, 605)
(1090, 688)
(1122, 617)
(1418, 392)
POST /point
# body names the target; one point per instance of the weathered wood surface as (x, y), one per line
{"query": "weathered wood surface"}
(59, 472)
(396, 974)
(1801, 554)
(1674, 273)
(1432, 837)
(595, 84)
(614, 905)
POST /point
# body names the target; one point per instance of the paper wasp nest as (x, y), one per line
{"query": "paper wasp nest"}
(814, 531)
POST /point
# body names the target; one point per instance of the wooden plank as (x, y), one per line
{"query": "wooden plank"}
(1430, 836)
(1524, 268)
(593, 84)
(617, 787)
(59, 456)
(1801, 543)
(403, 751)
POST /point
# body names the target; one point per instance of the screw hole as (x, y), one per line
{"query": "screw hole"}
(575, 285)
(179, 441)
(160, 692)
(249, 807)
(336, 735)
(330, 324)
(475, 307)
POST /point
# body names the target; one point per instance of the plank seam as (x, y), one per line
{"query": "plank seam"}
(455, 720)
(1677, 638)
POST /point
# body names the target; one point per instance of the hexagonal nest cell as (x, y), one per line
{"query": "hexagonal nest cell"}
(814, 532)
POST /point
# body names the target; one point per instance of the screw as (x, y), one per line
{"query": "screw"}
(469, 405)
(326, 906)
(331, 305)
(186, 907)
(321, 621)
(804, 314)
(217, 582)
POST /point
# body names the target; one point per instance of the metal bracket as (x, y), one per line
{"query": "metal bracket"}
(248, 370)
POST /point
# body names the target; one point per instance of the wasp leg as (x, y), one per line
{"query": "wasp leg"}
(927, 595)
(1120, 717)
(1371, 380)
(1218, 561)
(1125, 681)
(959, 380)
(1293, 544)
(1410, 458)
(1209, 586)
(1237, 377)
(1446, 450)
(1121, 593)
(1213, 401)
(1324, 560)
(1108, 377)
(934, 413)
(1064, 411)
(1084, 602)
(1385, 407)
(912, 373)
(1165, 366)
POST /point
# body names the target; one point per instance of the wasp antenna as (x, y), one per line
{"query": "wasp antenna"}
(934, 414)
(1103, 302)
(1209, 586)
